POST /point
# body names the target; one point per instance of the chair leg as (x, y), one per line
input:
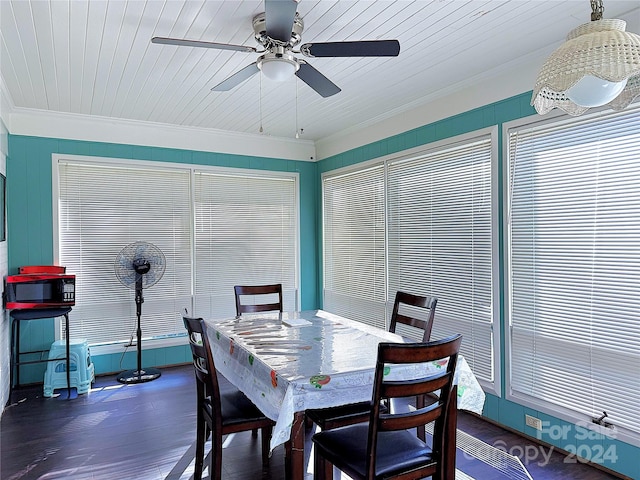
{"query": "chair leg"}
(254, 433)
(201, 438)
(215, 468)
(266, 440)
(287, 460)
(450, 433)
(322, 469)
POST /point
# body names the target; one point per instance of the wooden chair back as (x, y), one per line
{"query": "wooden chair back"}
(442, 381)
(400, 314)
(268, 294)
(207, 386)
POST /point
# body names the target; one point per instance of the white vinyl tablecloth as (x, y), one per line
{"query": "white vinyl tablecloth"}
(290, 362)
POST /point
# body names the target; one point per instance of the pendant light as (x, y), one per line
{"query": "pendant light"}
(599, 64)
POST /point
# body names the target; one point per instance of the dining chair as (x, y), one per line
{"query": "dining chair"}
(219, 412)
(387, 446)
(412, 310)
(267, 294)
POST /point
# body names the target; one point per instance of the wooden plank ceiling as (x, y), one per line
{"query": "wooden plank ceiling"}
(95, 57)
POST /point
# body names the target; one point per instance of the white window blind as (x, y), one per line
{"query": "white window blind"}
(216, 230)
(440, 229)
(575, 267)
(102, 209)
(426, 223)
(354, 245)
(245, 234)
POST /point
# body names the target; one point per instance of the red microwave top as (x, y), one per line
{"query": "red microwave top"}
(42, 269)
(39, 278)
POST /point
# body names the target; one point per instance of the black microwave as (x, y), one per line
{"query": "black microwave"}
(40, 290)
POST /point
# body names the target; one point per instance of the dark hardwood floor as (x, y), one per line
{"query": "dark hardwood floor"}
(147, 432)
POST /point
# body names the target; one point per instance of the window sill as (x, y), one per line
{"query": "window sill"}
(148, 344)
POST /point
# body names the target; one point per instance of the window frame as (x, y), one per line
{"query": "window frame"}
(557, 119)
(342, 172)
(192, 169)
(494, 387)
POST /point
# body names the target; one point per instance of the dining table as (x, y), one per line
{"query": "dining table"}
(288, 362)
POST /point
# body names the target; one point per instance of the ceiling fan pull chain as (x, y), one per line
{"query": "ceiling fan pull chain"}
(260, 105)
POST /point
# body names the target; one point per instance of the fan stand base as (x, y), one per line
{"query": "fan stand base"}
(135, 376)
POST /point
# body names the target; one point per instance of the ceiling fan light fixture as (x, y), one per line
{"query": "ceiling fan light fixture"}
(278, 66)
(599, 64)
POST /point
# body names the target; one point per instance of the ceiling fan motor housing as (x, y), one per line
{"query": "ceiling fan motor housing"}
(260, 32)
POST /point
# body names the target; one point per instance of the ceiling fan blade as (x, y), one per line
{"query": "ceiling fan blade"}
(237, 78)
(200, 43)
(364, 48)
(316, 80)
(279, 15)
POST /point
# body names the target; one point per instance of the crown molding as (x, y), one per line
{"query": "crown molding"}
(43, 123)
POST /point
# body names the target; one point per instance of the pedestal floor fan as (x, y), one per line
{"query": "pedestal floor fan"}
(139, 265)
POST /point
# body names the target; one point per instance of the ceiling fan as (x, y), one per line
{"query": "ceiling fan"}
(278, 30)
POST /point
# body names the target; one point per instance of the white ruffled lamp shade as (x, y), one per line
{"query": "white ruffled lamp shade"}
(599, 64)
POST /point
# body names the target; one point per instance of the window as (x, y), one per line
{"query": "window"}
(245, 234)
(439, 244)
(354, 245)
(216, 228)
(574, 225)
(103, 208)
(422, 223)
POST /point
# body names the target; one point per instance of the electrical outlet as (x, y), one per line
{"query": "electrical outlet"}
(533, 422)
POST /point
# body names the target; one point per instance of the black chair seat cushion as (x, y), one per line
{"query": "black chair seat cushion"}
(397, 451)
(237, 408)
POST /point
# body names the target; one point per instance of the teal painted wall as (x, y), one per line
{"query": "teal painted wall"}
(622, 457)
(30, 228)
